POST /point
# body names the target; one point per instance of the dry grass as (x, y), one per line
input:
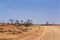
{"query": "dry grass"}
(33, 32)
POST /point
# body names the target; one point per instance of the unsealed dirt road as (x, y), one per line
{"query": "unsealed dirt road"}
(49, 33)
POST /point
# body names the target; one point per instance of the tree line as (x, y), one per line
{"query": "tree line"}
(21, 22)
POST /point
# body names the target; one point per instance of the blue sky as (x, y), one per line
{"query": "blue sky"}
(40, 11)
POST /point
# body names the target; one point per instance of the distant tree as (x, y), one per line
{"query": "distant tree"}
(53, 23)
(17, 22)
(8, 23)
(28, 22)
(21, 21)
(11, 21)
(47, 23)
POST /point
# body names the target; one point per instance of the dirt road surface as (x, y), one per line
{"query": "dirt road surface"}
(48, 33)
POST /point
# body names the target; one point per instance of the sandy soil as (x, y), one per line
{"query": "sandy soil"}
(42, 33)
(37, 33)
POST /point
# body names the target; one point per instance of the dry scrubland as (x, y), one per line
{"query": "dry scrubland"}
(32, 32)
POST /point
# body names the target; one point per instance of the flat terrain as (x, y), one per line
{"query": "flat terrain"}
(33, 32)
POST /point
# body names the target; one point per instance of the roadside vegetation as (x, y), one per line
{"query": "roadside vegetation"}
(15, 27)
